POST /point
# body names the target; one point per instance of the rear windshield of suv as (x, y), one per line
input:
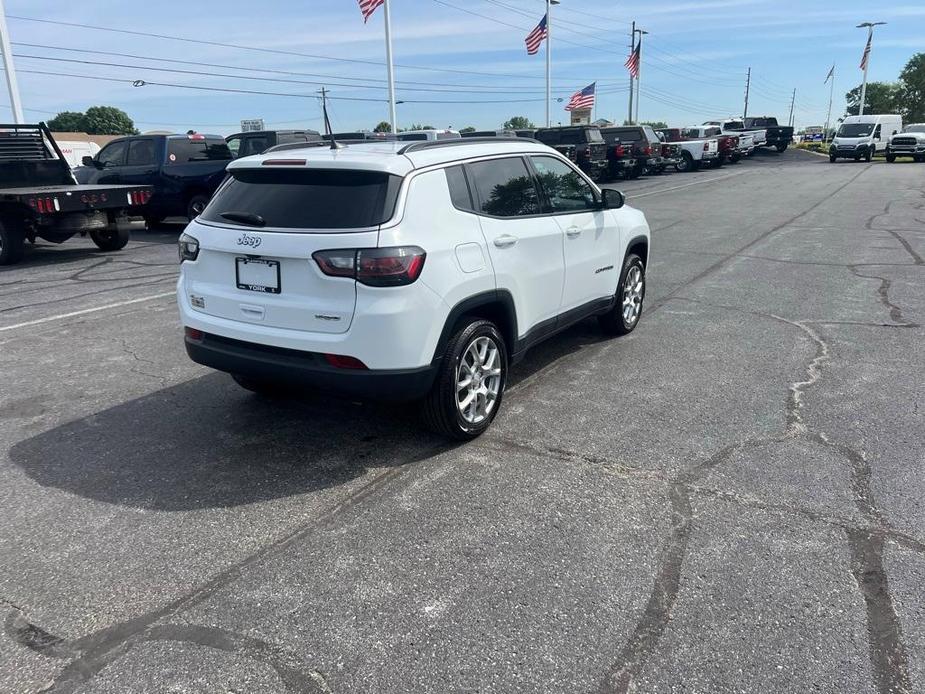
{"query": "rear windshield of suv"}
(307, 199)
(182, 151)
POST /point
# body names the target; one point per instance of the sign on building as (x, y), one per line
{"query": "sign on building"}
(252, 125)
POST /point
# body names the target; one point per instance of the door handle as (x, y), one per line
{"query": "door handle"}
(505, 241)
(572, 232)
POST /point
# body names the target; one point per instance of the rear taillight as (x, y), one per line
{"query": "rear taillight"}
(341, 361)
(619, 151)
(188, 247)
(647, 150)
(193, 334)
(706, 146)
(376, 267)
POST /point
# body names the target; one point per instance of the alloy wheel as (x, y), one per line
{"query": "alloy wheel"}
(478, 380)
(633, 286)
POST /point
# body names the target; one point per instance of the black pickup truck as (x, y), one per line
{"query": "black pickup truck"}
(184, 170)
(777, 136)
(583, 144)
(259, 141)
(39, 197)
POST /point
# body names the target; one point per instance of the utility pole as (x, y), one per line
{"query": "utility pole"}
(865, 60)
(792, 102)
(11, 83)
(828, 115)
(748, 84)
(639, 73)
(390, 69)
(629, 115)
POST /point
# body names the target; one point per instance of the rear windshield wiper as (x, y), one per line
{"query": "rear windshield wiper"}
(254, 220)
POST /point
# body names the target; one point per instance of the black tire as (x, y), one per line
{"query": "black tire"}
(832, 158)
(615, 321)
(869, 155)
(686, 164)
(196, 205)
(110, 240)
(892, 157)
(781, 148)
(717, 163)
(261, 387)
(152, 222)
(440, 409)
(918, 158)
(735, 157)
(12, 243)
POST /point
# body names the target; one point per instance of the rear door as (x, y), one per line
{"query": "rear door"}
(263, 272)
(525, 246)
(591, 236)
(140, 162)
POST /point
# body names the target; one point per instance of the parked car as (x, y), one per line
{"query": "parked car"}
(863, 136)
(646, 147)
(259, 141)
(490, 133)
(323, 270)
(909, 143)
(582, 144)
(425, 135)
(671, 151)
(183, 170)
(777, 136)
(621, 162)
(359, 135)
(727, 146)
(40, 198)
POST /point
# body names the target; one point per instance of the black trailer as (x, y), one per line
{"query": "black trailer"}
(41, 199)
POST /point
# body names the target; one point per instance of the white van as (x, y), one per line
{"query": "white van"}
(75, 150)
(427, 135)
(864, 136)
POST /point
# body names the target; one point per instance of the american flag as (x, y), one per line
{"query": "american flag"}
(367, 7)
(582, 99)
(632, 63)
(535, 37)
(866, 55)
(830, 75)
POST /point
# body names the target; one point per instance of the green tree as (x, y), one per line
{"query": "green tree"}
(418, 126)
(518, 123)
(655, 124)
(67, 122)
(881, 97)
(467, 129)
(383, 127)
(912, 91)
(108, 120)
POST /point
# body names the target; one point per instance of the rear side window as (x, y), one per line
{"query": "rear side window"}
(182, 151)
(593, 135)
(254, 145)
(548, 137)
(459, 188)
(308, 199)
(505, 188)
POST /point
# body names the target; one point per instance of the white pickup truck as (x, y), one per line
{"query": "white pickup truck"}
(909, 143)
(732, 126)
(694, 152)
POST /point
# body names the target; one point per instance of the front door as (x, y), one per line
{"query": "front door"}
(111, 160)
(525, 245)
(591, 235)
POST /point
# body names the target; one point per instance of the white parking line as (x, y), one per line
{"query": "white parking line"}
(85, 311)
(686, 185)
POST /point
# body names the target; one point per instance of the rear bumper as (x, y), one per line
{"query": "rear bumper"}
(309, 369)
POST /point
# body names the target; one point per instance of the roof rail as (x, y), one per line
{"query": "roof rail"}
(296, 145)
(453, 142)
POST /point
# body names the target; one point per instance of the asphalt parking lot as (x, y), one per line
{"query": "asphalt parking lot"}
(728, 500)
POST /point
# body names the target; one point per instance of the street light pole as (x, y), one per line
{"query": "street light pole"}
(549, 4)
(870, 37)
(828, 115)
(11, 83)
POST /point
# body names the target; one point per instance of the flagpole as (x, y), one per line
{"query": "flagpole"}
(548, 61)
(870, 36)
(629, 116)
(11, 83)
(390, 69)
(642, 32)
(828, 115)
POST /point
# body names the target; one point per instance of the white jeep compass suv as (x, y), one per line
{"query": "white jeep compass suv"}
(405, 271)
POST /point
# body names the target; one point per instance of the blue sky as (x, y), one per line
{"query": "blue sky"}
(460, 51)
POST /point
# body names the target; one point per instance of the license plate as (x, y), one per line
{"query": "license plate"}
(257, 275)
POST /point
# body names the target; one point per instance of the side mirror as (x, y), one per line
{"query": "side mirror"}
(612, 199)
(87, 160)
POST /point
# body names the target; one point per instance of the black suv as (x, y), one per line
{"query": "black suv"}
(583, 144)
(259, 141)
(646, 147)
(183, 170)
